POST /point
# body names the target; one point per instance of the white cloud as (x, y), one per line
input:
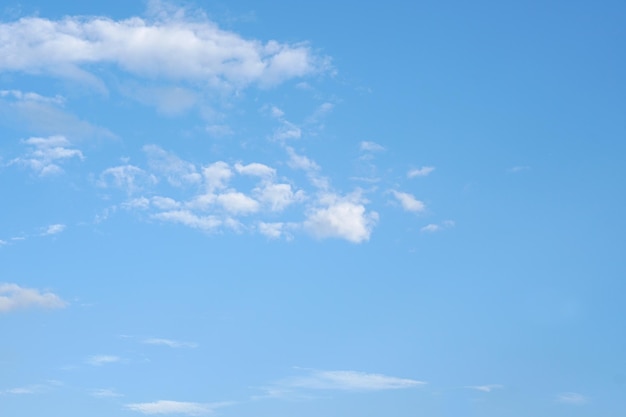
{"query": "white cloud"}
(485, 388)
(99, 360)
(287, 131)
(177, 171)
(409, 202)
(128, 178)
(164, 203)
(276, 112)
(14, 297)
(572, 398)
(368, 146)
(30, 96)
(169, 343)
(53, 229)
(344, 218)
(171, 47)
(187, 218)
(420, 172)
(300, 161)
(350, 381)
(256, 169)
(175, 407)
(432, 227)
(46, 154)
(276, 230)
(216, 175)
(237, 203)
(309, 166)
(278, 196)
(105, 393)
(141, 203)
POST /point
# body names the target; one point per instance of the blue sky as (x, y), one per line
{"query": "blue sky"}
(312, 209)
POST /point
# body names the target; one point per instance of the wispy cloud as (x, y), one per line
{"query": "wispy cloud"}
(485, 388)
(368, 146)
(409, 202)
(420, 172)
(176, 407)
(572, 398)
(169, 343)
(433, 227)
(45, 155)
(105, 393)
(345, 381)
(99, 360)
(32, 389)
(13, 297)
(519, 168)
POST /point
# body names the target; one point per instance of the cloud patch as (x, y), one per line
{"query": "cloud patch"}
(173, 45)
(13, 297)
(346, 381)
(46, 155)
(175, 407)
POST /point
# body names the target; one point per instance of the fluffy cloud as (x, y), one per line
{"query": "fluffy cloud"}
(344, 218)
(14, 297)
(409, 202)
(128, 178)
(278, 196)
(216, 175)
(237, 203)
(175, 407)
(45, 155)
(256, 169)
(172, 46)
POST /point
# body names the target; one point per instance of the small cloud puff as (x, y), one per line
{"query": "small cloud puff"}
(420, 172)
(368, 146)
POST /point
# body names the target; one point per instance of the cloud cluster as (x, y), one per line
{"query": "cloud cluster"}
(13, 297)
(45, 155)
(211, 202)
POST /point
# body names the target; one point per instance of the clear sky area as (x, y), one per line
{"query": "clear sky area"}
(313, 209)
